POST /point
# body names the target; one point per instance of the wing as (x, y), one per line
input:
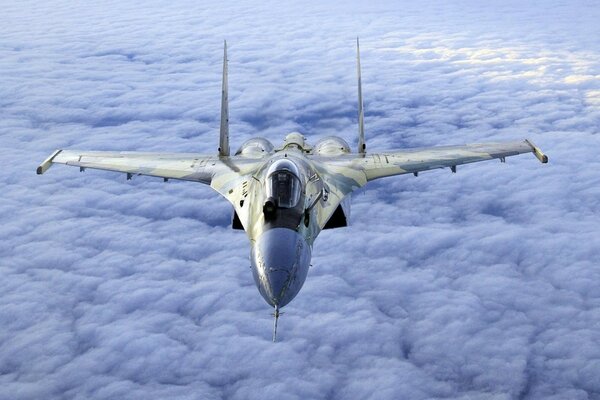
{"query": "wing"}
(352, 171)
(414, 161)
(221, 173)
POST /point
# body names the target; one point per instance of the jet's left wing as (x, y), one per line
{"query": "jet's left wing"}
(348, 172)
(417, 160)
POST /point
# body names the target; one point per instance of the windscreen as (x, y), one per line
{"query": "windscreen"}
(284, 187)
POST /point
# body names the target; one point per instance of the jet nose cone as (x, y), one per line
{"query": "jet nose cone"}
(277, 284)
(280, 259)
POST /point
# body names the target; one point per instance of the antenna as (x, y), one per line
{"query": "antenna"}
(362, 147)
(224, 131)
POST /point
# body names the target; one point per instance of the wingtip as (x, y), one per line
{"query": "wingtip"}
(539, 154)
(47, 163)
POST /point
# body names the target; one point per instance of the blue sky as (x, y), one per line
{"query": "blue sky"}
(480, 284)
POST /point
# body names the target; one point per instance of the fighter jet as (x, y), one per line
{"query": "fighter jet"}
(284, 196)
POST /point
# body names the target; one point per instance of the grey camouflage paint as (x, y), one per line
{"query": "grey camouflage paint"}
(280, 257)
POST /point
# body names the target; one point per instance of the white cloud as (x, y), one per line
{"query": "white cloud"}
(481, 284)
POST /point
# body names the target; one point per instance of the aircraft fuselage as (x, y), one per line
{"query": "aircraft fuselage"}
(282, 224)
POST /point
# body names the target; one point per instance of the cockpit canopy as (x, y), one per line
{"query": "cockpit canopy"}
(283, 183)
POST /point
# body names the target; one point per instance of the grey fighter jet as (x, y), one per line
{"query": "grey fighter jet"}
(284, 196)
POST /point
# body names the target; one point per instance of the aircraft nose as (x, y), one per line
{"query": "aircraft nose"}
(280, 259)
(276, 284)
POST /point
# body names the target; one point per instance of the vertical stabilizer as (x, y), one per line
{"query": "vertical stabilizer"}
(224, 131)
(362, 147)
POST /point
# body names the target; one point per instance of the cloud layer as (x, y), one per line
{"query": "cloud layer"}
(480, 284)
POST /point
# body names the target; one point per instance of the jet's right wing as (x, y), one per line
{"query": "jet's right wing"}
(221, 173)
